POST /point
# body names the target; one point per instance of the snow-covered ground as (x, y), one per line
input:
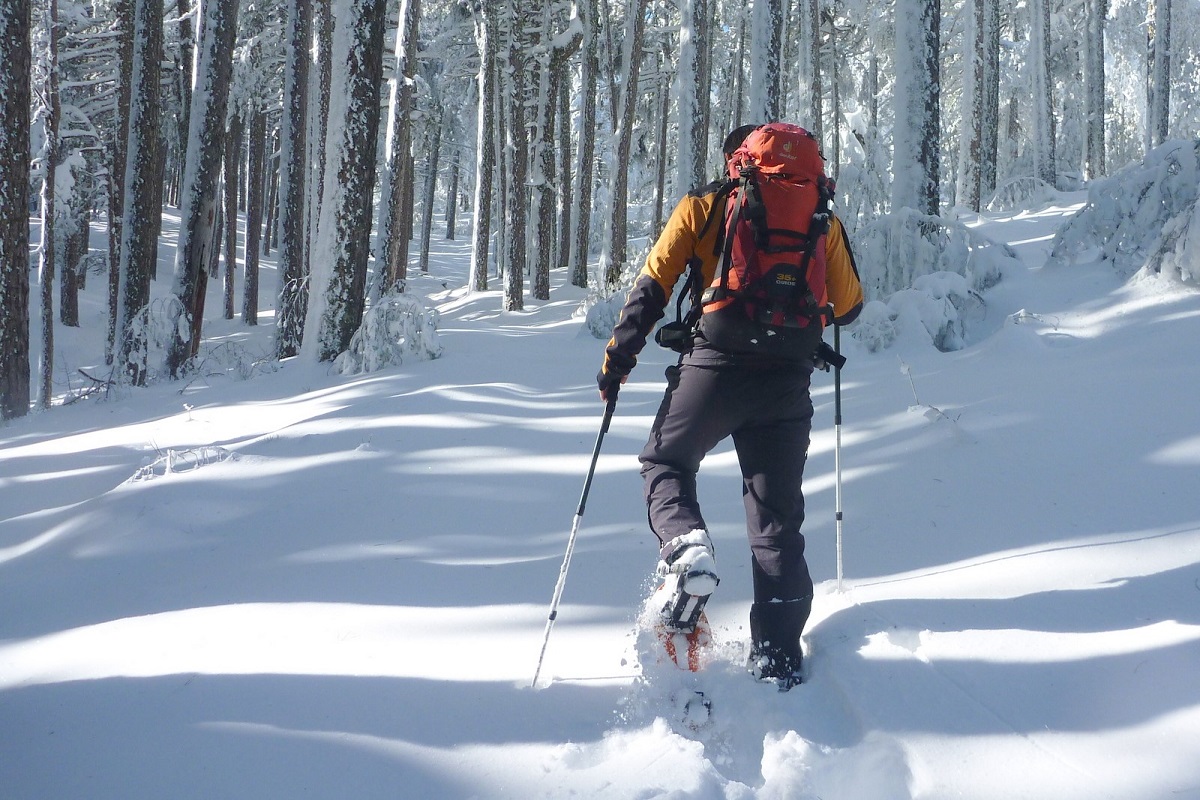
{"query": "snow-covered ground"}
(309, 585)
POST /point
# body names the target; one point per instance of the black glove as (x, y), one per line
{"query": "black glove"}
(609, 383)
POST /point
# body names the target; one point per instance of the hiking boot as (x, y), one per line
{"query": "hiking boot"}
(775, 629)
(774, 665)
(688, 576)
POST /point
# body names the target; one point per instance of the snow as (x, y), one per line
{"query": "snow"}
(309, 584)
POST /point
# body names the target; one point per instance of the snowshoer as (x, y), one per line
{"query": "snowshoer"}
(760, 399)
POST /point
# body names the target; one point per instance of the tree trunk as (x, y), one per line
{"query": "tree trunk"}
(585, 159)
(970, 143)
(396, 210)
(15, 17)
(233, 163)
(50, 161)
(766, 47)
(452, 191)
(1160, 78)
(142, 192)
(289, 315)
(198, 230)
(517, 153)
(1043, 100)
(916, 162)
(989, 123)
(183, 85)
(623, 140)
(544, 180)
(319, 123)
(339, 277)
(123, 29)
(1094, 155)
(433, 152)
(810, 54)
(255, 179)
(485, 39)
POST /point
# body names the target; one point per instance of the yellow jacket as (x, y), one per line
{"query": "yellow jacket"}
(683, 239)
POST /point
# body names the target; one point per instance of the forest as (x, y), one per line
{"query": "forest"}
(343, 135)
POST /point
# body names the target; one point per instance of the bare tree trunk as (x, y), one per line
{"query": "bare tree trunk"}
(289, 316)
(198, 230)
(566, 188)
(397, 208)
(517, 153)
(434, 153)
(452, 192)
(255, 180)
(233, 163)
(123, 28)
(15, 26)
(183, 85)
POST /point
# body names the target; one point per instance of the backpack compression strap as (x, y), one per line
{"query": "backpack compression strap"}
(721, 291)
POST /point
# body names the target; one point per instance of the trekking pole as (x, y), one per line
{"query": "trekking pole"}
(837, 448)
(562, 572)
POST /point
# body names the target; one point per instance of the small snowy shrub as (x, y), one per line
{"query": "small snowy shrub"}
(1141, 217)
(897, 249)
(602, 309)
(395, 327)
(937, 309)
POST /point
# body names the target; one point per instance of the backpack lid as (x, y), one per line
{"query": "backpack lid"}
(780, 149)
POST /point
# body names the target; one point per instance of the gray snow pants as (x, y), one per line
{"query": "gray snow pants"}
(768, 412)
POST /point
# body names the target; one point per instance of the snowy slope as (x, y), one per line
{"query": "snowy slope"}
(338, 586)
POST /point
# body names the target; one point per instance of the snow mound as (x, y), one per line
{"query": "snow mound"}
(1142, 217)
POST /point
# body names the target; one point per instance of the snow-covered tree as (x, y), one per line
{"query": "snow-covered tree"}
(293, 155)
(339, 266)
(142, 192)
(616, 239)
(51, 155)
(15, 16)
(396, 209)
(918, 110)
(1159, 93)
(555, 47)
(691, 92)
(485, 163)
(1043, 123)
(766, 45)
(585, 158)
(198, 229)
(980, 107)
(1094, 156)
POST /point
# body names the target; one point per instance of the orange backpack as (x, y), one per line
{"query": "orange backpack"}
(768, 294)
